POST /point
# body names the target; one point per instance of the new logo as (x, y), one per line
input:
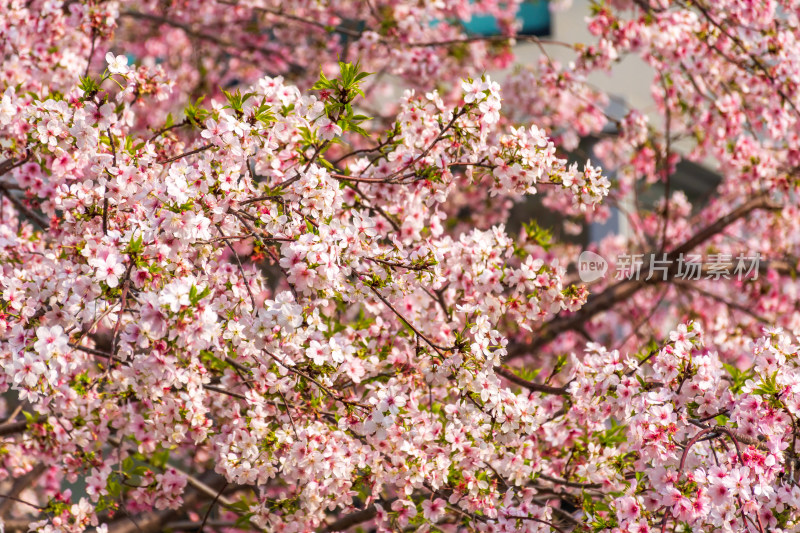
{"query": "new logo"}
(591, 266)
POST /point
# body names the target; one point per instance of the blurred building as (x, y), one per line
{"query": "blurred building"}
(628, 85)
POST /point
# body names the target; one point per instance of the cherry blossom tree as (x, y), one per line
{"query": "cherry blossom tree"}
(257, 271)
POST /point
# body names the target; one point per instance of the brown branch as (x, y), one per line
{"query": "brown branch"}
(397, 42)
(438, 349)
(241, 269)
(322, 387)
(624, 290)
(42, 223)
(345, 177)
(728, 303)
(353, 519)
(760, 201)
(110, 357)
(538, 521)
(186, 154)
(19, 525)
(327, 28)
(19, 485)
(123, 301)
(439, 137)
(154, 522)
(571, 484)
(225, 392)
(399, 265)
(535, 387)
(288, 413)
(12, 428)
(210, 507)
(93, 351)
(162, 131)
(692, 442)
(91, 53)
(734, 435)
(488, 38)
(756, 61)
(192, 33)
(10, 164)
(189, 525)
(7, 166)
(666, 165)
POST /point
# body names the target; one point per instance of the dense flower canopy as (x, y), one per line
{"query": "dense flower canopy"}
(257, 270)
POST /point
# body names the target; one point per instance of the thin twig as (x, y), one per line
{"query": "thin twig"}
(241, 268)
(211, 506)
(535, 387)
(439, 349)
(186, 154)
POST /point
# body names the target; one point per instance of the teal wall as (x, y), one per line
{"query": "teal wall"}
(535, 16)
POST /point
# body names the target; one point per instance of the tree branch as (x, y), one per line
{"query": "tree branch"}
(535, 387)
(623, 290)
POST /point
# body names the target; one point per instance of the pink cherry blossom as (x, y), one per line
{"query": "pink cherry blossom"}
(307, 266)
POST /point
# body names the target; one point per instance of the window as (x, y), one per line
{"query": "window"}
(534, 14)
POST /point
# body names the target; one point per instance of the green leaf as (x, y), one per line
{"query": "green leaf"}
(528, 374)
(614, 435)
(159, 458)
(135, 246)
(212, 362)
(541, 236)
(323, 82)
(240, 506)
(195, 114)
(738, 377)
(768, 385)
(236, 99)
(195, 297)
(114, 487)
(243, 522)
(650, 348)
(89, 86)
(560, 364)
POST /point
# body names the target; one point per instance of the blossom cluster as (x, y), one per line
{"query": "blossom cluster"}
(244, 281)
